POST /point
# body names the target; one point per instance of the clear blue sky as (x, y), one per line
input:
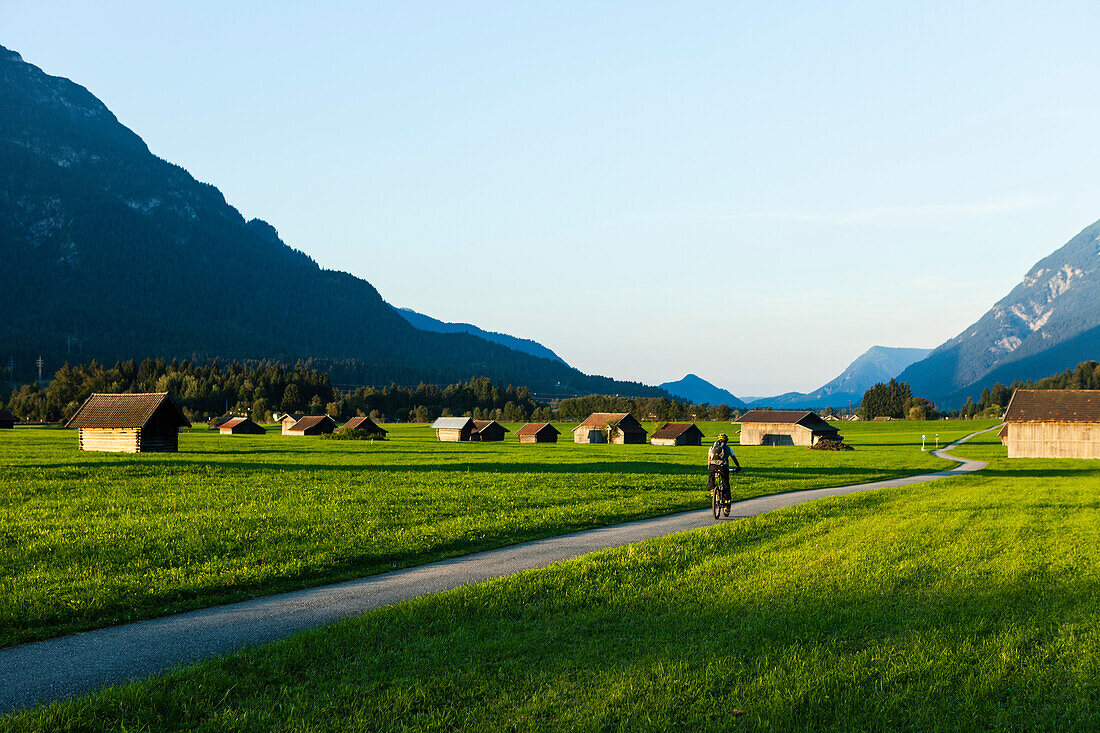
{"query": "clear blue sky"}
(755, 194)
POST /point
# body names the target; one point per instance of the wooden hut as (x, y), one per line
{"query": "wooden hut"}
(241, 426)
(129, 423)
(365, 423)
(785, 427)
(7, 420)
(538, 432)
(677, 433)
(619, 428)
(287, 421)
(488, 430)
(1053, 423)
(453, 429)
(312, 425)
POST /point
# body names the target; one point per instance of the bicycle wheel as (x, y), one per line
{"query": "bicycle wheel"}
(716, 502)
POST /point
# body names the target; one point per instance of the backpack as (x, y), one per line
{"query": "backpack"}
(717, 453)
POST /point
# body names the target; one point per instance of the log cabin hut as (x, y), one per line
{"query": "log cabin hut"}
(312, 425)
(129, 423)
(365, 423)
(785, 427)
(287, 421)
(240, 426)
(538, 432)
(7, 420)
(488, 430)
(618, 428)
(453, 429)
(677, 433)
(1053, 423)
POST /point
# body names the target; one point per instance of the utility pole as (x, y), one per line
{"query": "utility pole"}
(40, 362)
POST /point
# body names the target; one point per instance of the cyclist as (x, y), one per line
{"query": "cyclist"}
(718, 466)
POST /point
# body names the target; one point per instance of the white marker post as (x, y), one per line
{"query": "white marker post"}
(922, 441)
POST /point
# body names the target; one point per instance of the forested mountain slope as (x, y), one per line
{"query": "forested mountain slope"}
(112, 253)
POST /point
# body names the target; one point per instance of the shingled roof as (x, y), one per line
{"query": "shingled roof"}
(675, 430)
(124, 410)
(534, 428)
(310, 421)
(232, 422)
(600, 421)
(364, 423)
(805, 418)
(1054, 405)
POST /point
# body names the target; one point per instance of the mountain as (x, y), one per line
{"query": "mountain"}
(877, 364)
(112, 253)
(701, 392)
(1048, 323)
(527, 346)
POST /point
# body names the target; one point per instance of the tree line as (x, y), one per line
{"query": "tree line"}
(643, 408)
(895, 399)
(994, 400)
(258, 389)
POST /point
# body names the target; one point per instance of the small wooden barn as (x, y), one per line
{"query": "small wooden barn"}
(785, 427)
(241, 426)
(312, 425)
(7, 420)
(129, 423)
(619, 428)
(453, 429)
(488, 430)
(538, 432)
(365, 423)
(677, 433)
(287, 420)
(1053, 423)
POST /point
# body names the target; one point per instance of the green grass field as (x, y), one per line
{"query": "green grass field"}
(95, 539)
(968, 603)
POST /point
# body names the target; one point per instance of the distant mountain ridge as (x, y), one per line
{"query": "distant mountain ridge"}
(113, 253)
(699, 391)
(877, 364)
(1048, 323)
(527, 346)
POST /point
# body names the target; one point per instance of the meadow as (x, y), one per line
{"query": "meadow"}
(968, 603)
(95, 539)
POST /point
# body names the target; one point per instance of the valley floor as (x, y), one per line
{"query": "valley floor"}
(967, 603)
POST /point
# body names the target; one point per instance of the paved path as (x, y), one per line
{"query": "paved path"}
(70, 665)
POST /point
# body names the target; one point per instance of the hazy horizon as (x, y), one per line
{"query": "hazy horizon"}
(753, 195)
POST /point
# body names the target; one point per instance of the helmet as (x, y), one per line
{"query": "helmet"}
(723, 436)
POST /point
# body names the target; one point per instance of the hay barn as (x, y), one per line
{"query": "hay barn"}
(287, 421)
(7, 420)
(785, 427)
(365, 423)
(129, 423)
(538, 432)
(488, 430)
(241, 426)
(453, 429)
(619, 428)
(312, 425)
(677, 433)
(1053, 423)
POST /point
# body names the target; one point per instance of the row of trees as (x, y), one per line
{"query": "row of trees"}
(205, 391)
(994, 400)
(643, 408)
(895, 399)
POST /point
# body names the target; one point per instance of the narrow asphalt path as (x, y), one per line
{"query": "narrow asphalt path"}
(70, 665)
